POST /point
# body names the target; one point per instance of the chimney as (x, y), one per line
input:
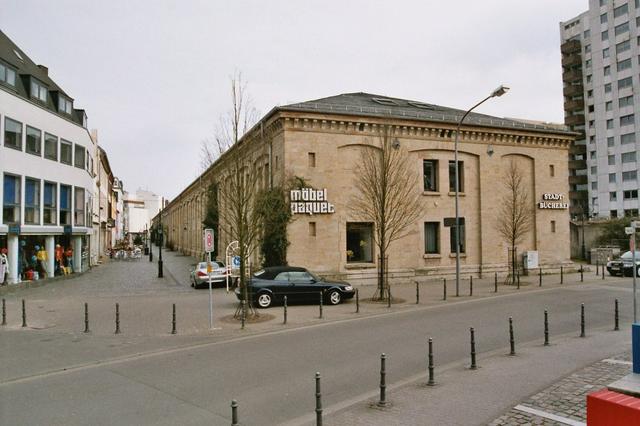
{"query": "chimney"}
(44, 69)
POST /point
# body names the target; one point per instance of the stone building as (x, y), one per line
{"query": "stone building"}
(322, 141)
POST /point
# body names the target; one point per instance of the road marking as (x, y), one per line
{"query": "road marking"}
(617, 361)
(556, 418)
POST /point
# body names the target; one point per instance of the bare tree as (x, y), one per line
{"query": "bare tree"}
(239, 218)
(386, 196)
(515, 217)
(231, 125)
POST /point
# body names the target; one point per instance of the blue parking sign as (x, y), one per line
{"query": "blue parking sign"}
(236, 261)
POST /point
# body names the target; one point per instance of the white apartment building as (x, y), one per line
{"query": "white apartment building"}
(46, 167)
(601, 75)
(139, 210)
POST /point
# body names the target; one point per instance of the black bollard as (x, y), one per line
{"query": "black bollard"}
(117, 318)
(318, 401)
(546, 328)
(86, 317)
(444, 288)
(383, 382)
(388, 296)
(561, 275)
(431, 381)
(320, 305)
(473, 349)
(243, 314)
(495, 283)
(357, 301)
(417, 293)
(581, 273)
(582, 334)
(518, 276)
(285, 309)
(470, 285)
(597, 267)
(512, 342)
(603, 272)
(616, 318)
(4, 312)
(24, 314)
(173, 320)
(234, 413)
(540, 277)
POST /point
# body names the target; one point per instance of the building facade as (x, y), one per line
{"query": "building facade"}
(139, 210)
(600, 50)
(322, 142)
(46, 166)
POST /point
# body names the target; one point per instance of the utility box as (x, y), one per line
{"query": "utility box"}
(530, 260)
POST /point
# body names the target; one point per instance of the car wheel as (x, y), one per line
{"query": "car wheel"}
(334, 297)
(193, 284)
(638, 271)
(264, 300)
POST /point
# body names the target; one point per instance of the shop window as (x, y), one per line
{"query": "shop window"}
(50, 201)
(79, 153)
(359, 242)
(50, 147)
(34, 141)
(312, 229)
(12, 134)
(78, 212)
(65, 151)
(452, 176)
(553, 226)
(65, 205)
(312, 159)
(432, 237)
(430, 172)
(32, 201)
(11, 200)
(452, 237)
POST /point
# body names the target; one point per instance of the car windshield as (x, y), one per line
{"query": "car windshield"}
(628, 255)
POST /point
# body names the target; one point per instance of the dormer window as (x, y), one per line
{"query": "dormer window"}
(38, 90)
(65, 105)
(385, 101)
(7, 75)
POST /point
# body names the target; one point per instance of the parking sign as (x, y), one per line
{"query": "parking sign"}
(208, 240)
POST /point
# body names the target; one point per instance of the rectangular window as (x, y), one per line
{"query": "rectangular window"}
(452, 237)
(587, 49)
(359, 242)
(626, 120)
(12, 133)
(623, 47)
(603, 18)
(625, 82)
(612, 160)
(608, 106)
(38, 91)
(630, 176)
(79, 154)
(430, 173)
(553, 226)
(312, 159)
(594, 170)
(631, 212)
(594, 185)
(610, 141)
(613, 213)
(610, 124)
(621, 29)
(623, 65)
(612, 178)
(620, 10)
(34, 141)
(312, 229)
(65, 205)
(628, 138)
(625, 101)
(552, 170)
(607, 70)
(630, 195)
(587, 33)
(605, 52)
(607, 88)
(7, 75)
(78, 212)
(66, 148)
(605, 35)
(50, 201)
(65, 105)
(587, 63)
(452, 176)
(603, 3)
(629, 157)
(613, 196)
(11, 200)
(592, 155)
(32, 201)
(50, 147)
(432, 237)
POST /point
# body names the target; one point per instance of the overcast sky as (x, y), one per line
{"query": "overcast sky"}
(153, 75)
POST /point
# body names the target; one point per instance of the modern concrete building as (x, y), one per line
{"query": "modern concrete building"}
(139, 209)
(600, 50)
(322, 141)
(46, 166)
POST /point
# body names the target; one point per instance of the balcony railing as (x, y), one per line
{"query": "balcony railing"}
(571, 46)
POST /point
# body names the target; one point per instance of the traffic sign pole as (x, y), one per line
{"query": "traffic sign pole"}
(209, 247)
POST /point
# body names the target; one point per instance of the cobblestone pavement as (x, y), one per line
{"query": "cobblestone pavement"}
(568, 397)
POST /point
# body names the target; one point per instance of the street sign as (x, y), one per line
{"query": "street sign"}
(236, 261)
(208, 240)
(629, 230)
(451, 221)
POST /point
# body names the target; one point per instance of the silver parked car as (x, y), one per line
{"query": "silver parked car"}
(200, 277)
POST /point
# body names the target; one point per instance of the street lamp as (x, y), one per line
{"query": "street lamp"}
(501, 90)
(161, 238)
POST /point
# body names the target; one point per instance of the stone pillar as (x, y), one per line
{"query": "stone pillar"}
(76, 243)
(14, 252)
(50, 247)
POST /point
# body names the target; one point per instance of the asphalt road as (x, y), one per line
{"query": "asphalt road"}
(272, 375)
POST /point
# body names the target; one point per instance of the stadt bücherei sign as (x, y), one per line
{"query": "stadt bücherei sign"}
(553, 201)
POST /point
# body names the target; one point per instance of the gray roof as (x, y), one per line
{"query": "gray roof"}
(367, 104)
(12, 55)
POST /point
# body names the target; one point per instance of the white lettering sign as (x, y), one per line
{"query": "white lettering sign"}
(553, 201)
(310, 201)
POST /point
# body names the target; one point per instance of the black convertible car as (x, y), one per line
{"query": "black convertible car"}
(270, 285)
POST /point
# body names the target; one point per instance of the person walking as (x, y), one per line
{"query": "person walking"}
(4, 266)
